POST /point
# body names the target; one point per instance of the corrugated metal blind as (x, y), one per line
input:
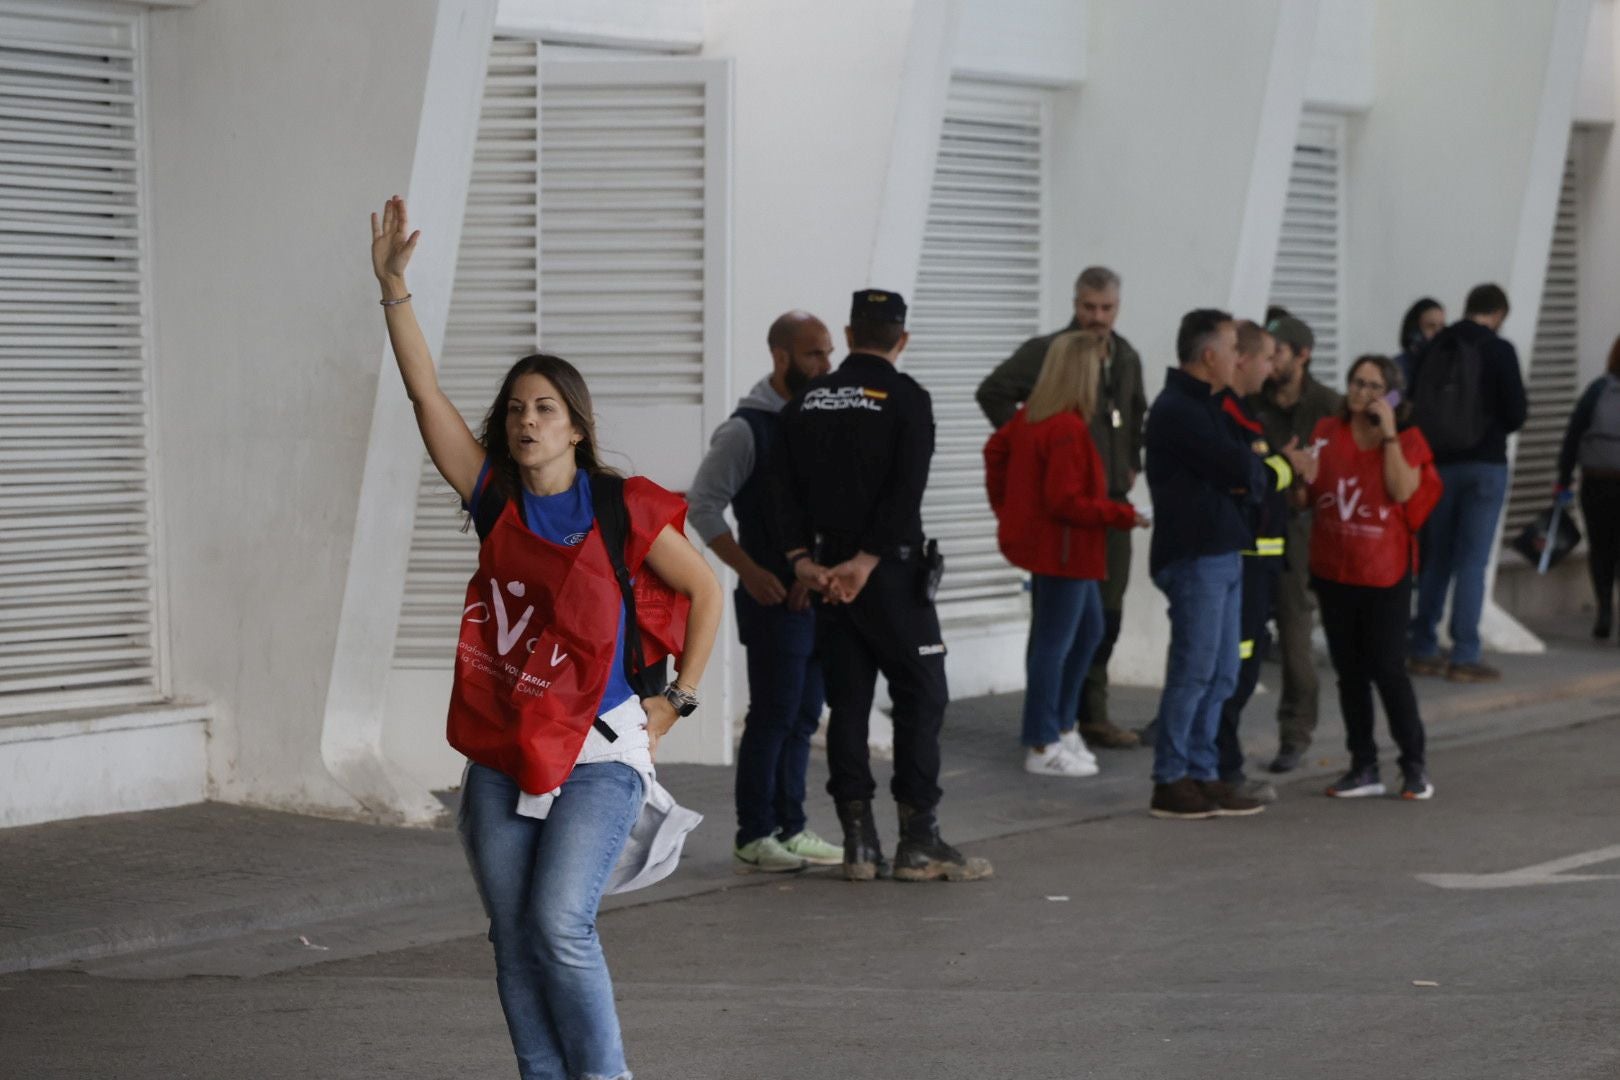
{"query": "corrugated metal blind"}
(978, 297)
(1309, 274)
(605, 170)
(76, 591)
(624, 226)
(1552, 383)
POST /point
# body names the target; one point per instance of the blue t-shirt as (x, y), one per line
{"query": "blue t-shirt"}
(566, 518)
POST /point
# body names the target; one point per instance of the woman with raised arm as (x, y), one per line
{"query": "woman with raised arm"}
(585, 581)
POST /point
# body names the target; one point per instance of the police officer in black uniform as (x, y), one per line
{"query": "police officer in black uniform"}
(848, 495)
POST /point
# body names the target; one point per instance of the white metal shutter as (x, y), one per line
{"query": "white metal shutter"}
(615, 169)
(1308, 278)
(76, 593)
(1552, 382)
(978, 297)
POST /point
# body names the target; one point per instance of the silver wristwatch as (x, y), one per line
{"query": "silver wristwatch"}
(684, 700)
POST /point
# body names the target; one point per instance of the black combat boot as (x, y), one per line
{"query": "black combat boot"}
(923, 855)
(863, 853)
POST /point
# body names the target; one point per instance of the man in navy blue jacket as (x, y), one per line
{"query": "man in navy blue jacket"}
(1203, 479)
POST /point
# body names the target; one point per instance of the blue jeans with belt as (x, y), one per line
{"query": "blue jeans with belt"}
(541, 881)
(785, 697)
(1457, 542)
(1206, 611)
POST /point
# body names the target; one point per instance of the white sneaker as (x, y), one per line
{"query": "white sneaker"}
(1056, 761)
(1076, 746)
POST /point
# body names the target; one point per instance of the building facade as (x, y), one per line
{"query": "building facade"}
(225, 568)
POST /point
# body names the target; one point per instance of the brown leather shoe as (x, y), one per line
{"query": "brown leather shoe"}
(1109, 737)
(1426, 665)
(1227, 800)
(1472, 673)
(1182, 800)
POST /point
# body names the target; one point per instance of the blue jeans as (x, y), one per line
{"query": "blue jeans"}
(1206, 613)
(541, 882)
(785, 696)
(1457, 544)
(1065, 628)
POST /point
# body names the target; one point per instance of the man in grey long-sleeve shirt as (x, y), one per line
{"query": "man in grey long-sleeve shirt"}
(774, 618)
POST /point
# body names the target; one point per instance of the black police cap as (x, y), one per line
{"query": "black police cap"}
(878, 305)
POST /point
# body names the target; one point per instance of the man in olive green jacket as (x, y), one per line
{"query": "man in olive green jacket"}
(1289, 408)
(1117, 430)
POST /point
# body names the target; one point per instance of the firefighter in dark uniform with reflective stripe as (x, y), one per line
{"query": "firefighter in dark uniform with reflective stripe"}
(1264, 563)
(848, 490)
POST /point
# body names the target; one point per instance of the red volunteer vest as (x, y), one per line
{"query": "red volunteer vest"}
(1359, 535)
(539, 627)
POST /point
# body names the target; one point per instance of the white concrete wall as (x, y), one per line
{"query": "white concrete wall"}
(1454, 181)
(1343, 56)
(1446, 174)
(1171, 160)
(656, 24)
(276, 129)
(1036, 42)
(819, 90)
(1596, 106)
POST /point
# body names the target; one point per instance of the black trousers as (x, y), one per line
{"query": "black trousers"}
(888, 628)
(1260, 576)
(1366, 635)
(1600, 507)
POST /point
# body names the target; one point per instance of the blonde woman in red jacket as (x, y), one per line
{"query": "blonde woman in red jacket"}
(1050, 494)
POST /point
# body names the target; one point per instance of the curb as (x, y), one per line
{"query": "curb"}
(196, 928)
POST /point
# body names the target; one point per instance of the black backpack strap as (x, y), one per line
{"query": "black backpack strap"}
(487, 505)
(613, 520)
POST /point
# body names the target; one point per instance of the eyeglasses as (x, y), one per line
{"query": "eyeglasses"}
(1367, 387)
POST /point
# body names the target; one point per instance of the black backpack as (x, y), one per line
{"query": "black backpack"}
(613, 520)
(1448, 402)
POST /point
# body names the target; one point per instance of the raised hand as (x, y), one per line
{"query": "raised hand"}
(1382, 416)
(391, 242)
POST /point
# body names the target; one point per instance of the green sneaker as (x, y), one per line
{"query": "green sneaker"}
(768, 854)
(813, 849)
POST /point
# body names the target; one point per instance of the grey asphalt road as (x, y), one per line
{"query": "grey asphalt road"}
(1284, 946)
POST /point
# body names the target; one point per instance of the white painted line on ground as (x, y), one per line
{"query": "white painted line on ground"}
(1547, 873)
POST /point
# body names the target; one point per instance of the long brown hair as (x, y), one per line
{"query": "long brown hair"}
(576, 396)
(1068, 380)
(1390, 372)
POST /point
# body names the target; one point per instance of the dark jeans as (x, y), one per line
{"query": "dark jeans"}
(1260, 574)
(1600, 508)
(888, 628)
(1206, 619)
(785, 696)
(1457, 543)
(1364, 628)
(1094, 696)
(1066, 622)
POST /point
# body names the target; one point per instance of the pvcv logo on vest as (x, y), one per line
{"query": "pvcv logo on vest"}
(507, 633)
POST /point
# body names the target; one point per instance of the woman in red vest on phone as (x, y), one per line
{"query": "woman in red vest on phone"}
(550, 701)
(1375, 484)
(1050, 494)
